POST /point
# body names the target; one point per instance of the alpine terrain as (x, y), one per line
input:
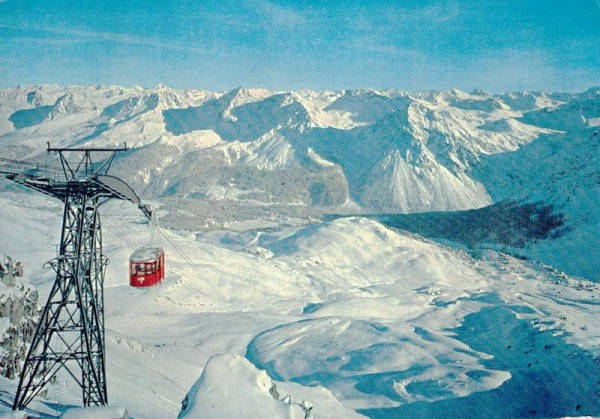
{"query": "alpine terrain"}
(361, 253)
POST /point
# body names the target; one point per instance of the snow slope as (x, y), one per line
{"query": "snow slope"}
(370, 316)
(341, 315)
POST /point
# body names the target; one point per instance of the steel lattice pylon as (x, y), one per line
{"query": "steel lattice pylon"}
(71, 329)
(70, 334)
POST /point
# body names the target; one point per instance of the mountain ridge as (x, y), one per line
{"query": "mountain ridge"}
(367, 150)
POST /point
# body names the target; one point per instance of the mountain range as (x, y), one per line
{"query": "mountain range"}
(358, 253)
(216, 158)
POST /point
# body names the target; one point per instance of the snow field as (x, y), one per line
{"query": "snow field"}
(365, 313)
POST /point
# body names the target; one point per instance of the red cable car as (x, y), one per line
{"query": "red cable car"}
(146, 267)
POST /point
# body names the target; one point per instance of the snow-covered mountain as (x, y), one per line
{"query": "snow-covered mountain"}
(221, 157)
(385, 150)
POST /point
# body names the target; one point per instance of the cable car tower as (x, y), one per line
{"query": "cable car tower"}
(70, 334)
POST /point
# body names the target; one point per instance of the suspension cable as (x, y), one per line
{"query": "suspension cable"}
(120, 235)
(28, 163)
(187, 259)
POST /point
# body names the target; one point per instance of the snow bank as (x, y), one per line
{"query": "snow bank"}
(231, 387)
(101, 412)
(13, 415)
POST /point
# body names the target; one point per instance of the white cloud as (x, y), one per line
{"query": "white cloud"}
(281, 16)
(514, 69)
(80, 35)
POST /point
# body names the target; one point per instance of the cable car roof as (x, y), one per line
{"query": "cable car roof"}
(145, 254)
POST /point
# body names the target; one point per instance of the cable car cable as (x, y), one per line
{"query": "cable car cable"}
(191, 263)
(28, 163)
(128, 241)
(120, 235)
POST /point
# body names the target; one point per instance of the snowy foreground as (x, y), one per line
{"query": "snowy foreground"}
(331, 319)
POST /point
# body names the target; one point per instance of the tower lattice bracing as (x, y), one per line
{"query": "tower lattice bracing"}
(71, 330)
(70, 336)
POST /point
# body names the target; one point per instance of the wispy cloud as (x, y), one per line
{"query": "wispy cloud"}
(440, 13)
(280, 16)
(83, 35)
(513, 69)
(30, 40)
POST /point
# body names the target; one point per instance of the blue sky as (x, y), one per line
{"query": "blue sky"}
(412, 45)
